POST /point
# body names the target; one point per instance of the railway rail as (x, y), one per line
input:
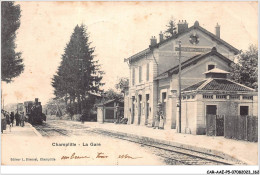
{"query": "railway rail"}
(173, 154)
(48, 131)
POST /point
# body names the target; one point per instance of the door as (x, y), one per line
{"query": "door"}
(133, 110)
(139, 109)
(147, 109)
(164, 103)
(211, 111)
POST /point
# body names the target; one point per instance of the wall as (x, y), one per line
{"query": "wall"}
(188, 116)
(225, 107)
(100, 118)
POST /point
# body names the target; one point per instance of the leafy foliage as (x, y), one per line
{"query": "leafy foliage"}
(246, 70)
(171, 29)
(78, 74)
(12, 63)
(123, 84)
(111, 95)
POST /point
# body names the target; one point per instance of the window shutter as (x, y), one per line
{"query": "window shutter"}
(133, 76)
(140, 74)
(147, 72)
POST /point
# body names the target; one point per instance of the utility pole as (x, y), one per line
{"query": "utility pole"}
(179, 86)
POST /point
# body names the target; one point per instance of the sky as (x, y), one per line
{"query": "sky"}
(117, 30)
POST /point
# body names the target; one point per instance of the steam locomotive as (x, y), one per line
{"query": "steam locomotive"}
(33, 112)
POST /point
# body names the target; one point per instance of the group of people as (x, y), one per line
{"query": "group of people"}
(159, 118)
(7, 119)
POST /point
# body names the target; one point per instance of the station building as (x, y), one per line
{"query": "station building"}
(215, 95)
(154, 71)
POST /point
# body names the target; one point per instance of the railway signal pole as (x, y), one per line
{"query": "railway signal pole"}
(179, 87)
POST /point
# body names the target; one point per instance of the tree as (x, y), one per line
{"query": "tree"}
(122, 84)
(171, 29)
(12, 63)
(111, 95)
(246, 70)
(78, 74)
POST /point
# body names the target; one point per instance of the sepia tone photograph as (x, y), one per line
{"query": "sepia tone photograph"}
(129, 83)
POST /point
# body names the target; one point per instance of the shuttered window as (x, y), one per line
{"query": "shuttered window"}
(140, 74)
(133, 76)
(147, 72)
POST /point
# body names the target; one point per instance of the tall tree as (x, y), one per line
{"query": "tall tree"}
(78, 74)
(171, 28)
(246, 70)
(12, 63)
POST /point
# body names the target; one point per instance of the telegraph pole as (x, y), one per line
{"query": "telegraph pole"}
(179, 87)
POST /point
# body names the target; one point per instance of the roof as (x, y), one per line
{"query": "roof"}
(217, 84)
(217, 70)
(189, 61)
(110, 101)
(195, 26)
(195, 86)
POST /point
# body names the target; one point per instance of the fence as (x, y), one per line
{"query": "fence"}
(241, 128)
(215, 125)
(233, 127)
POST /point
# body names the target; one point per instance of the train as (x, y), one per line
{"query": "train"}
(33, 112)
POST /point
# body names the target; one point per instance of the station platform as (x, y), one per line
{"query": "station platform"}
(247, 152)
(27, 131)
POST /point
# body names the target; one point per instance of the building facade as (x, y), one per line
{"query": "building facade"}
(215, 95)
(154, 71)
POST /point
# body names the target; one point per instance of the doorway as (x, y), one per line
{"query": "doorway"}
(139, 108)
(133, 110)
(147, 109)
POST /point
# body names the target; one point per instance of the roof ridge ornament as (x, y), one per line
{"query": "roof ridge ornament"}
(196, 24)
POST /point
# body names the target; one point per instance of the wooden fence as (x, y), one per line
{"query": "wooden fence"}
(215, 125)
(233, 127)
(241, 128)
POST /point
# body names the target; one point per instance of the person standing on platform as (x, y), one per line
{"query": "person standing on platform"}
(17, 119)
(158, 116)
(12, 118)
(3, 122)
(8, 122)
(22, 119)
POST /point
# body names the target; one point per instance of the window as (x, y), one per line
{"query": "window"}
(243, 110)
(147, 72)
(211, 110)
(207, 96)
(247, 97)
(140, 74)
(234, 97)
(133, 76)
(221, 96)
(163, 97)
(211, 66)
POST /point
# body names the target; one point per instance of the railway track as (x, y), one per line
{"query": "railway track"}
(173, 154)
(48, 131)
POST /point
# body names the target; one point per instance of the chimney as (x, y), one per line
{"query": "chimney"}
(218, 30)
(161, 36)
(182, 26)
(36, 100)
(153, 41)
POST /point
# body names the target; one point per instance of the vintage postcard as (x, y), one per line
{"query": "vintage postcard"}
(129, 83)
